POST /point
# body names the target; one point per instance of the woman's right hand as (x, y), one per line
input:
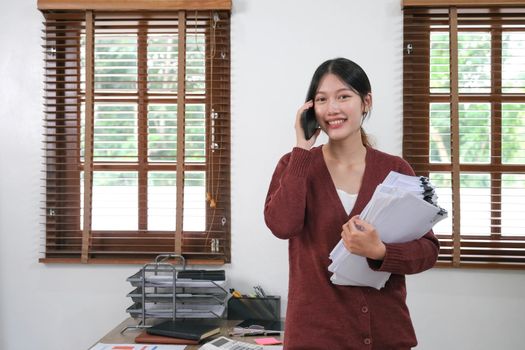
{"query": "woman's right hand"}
(302, 142)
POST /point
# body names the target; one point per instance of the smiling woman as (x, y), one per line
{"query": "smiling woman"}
(313, 200)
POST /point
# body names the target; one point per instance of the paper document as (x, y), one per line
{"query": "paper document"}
(403, 208)
(101, 346)
(187, 310)
(167, 280)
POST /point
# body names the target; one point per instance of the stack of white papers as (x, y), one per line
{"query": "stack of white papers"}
(402, 208)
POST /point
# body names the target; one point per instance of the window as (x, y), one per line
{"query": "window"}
(136, 131)
(464, 125)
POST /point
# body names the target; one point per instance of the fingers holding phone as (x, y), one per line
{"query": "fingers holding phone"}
(306, 126)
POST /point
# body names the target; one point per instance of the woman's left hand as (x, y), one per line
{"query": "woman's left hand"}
(361, 238)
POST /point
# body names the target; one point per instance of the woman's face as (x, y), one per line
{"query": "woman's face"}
(338, 108)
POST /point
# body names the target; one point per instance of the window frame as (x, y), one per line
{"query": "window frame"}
(459, 250)
(69, 237)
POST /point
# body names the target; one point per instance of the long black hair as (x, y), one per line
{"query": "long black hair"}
(351, 74)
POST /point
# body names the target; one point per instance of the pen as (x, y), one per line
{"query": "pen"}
(259, 291)
(272, 333)
(257, 333)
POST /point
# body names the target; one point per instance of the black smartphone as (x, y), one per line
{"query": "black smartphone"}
(309, 123)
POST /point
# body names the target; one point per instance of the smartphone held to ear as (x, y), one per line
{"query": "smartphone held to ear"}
(309, 123)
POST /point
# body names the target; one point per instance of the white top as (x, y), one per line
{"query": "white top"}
(348, 200)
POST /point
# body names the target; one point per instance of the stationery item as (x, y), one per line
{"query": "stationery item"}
(235, 293)
(185, 329)
(259, 291)
(213, 275)
(146, 338)
(226, 343)
(251, 327)
(268, 341)
(253, 330)
(163, 291)
(102, 346)
(188, 310)
(402, 208)
(258, 308)
(166, 275)
(265, 325)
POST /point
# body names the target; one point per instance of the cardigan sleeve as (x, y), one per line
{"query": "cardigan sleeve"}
(284, 210)
(409, 257)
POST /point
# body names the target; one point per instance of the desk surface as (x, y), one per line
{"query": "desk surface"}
(115, 336)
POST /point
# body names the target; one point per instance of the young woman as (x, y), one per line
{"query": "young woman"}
(314, 200)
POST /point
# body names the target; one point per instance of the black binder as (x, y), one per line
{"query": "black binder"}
(185, 329)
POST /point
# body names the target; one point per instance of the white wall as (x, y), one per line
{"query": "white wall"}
(276, 46)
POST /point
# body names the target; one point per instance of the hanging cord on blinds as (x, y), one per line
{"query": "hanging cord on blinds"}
(214, 180)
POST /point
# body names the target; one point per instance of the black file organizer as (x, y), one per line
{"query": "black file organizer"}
(255, 308)
(160, 293)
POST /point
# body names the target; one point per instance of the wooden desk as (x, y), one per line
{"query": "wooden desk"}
(128, 337)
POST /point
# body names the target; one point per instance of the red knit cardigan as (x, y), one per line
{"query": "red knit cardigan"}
(303, 206)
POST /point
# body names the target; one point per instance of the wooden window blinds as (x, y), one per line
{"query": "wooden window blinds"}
(464, 125)
(136, 131)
